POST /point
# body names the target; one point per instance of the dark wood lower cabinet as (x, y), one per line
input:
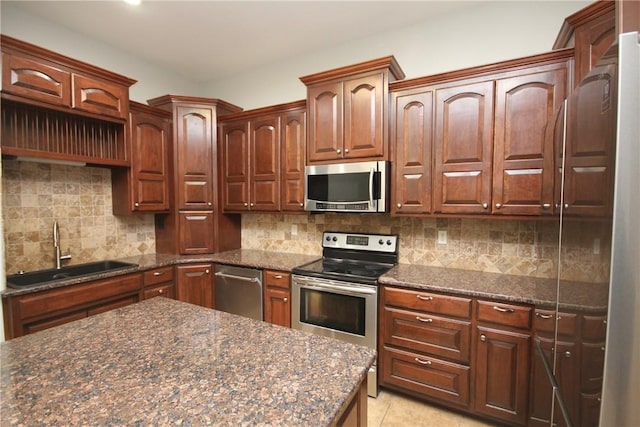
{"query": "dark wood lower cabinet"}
(195, 284)
(277, 297)
(502, 374)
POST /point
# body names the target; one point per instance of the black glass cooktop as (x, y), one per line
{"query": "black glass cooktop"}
(340, 269)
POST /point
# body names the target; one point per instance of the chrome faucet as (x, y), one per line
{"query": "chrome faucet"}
(56, 245)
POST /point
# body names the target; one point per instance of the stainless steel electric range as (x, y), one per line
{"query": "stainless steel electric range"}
(337, 296)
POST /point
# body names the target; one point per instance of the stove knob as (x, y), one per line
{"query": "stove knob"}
(381, 242)
(389, 242)
(328, 239)
(335, 239)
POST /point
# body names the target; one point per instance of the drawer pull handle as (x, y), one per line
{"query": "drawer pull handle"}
(423, 298)
(423, 362)
(544, 316)
(278, 276)
(503, 310)
(423, 319)
(483, 337)
(158, 273)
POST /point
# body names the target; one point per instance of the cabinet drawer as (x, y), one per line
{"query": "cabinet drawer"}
(164, 290)
(516, 316)
(100, 97)
(82, 295)
(545, 321)
(158, 275)
(429, 302)
(437, 336)
(102, 308)
(278, 279)
(428, 376)
(594, 327)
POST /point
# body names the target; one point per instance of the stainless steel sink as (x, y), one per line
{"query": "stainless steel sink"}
(40, 277)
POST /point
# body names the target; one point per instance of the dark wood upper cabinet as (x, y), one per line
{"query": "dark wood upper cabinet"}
(145, 186)
(195, 224)
(590, 31)
(348, 111)
(463, 148)
(293, 150)
(262, 154)
(412, 134)
(523, 165)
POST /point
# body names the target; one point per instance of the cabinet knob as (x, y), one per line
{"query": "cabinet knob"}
(285, 299)
(206, 271)
(399, 205)
(423, 319)
(251, 204)
(422, 362)
(136, 204)
(246, 204)
(566, 205)
(210, 204)
(557, 205)
(338, 151)
(567, 354)
(160, 291)
(498, 205)
(602, 348)
(485, 206)
(346, 150)
(546, 205)
(483, 337)
(301, 205)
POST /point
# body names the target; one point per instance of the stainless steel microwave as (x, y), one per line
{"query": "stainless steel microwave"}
(347, 187)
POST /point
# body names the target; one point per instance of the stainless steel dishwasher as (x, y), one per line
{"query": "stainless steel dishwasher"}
(238, 290)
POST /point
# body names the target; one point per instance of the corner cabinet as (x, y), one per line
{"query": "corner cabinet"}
(348, 111)
(144, 188)
(481, 140)
(195, 224)
(262, 154)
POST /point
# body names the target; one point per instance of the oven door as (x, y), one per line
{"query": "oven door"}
(342, 310)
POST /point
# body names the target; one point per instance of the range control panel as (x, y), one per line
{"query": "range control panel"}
(363, 242)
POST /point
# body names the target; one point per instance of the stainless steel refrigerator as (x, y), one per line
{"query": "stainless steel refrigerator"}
(621, 380)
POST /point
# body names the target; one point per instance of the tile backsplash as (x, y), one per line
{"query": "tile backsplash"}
(527, 248)
(79, 198)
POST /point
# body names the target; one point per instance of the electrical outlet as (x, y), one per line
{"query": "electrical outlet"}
(596, 246)
(442, 237)
(294, 229)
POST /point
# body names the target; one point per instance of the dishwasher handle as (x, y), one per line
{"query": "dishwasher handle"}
(235, 277)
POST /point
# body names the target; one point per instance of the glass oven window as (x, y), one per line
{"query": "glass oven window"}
(344, 313)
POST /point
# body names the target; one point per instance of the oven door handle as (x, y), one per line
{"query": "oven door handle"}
(352, 290)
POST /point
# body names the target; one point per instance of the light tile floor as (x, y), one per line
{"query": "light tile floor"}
(392, 409)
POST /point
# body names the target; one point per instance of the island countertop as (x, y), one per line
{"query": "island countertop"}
(162, 361)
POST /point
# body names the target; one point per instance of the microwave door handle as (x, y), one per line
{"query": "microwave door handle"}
(371, 173)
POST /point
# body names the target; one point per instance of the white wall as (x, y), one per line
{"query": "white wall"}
(152, 81)
(486, 33)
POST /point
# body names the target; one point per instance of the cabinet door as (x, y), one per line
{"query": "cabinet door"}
(195, 284)
(591, 136)
(35, 80)
(194, 154)
(235, 166)
(325, 122)
(149, 162)
(264, 175)
(463, 148)
(293, 144)
(523, 167)
(502, 374)
(363, 134)
(592, 39)
(100, 97)
(413, 136)
(196, 232)
(277, 307)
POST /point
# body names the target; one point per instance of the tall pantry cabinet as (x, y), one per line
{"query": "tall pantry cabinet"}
(195, 224)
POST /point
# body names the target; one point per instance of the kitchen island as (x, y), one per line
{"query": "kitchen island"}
(161, 362)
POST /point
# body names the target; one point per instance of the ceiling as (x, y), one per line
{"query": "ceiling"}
(209, 40)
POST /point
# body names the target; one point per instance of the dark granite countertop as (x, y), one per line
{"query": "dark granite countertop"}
(165, 362)
(245, 257)
(521, 289)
